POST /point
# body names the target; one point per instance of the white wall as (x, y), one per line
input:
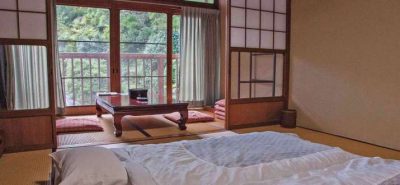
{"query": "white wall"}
(345, 68)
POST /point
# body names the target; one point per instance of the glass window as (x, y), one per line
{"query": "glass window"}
(23, 77)
(144, 53)
(84, 52)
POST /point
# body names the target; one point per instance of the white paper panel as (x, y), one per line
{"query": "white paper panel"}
(237, 37)
(280, 22)
(266, 39)
(8, 4)
(32, 25)
(245, 90)
(32, 5)
(263, 66)
(262, 90)
(240, 3)
(238, 16)
(267, 20)
(280, 6)
(280, 40)
(8, 24)
(252, 38)
(245, 66)
(253, 19)
(279, 75)
(234, 75)
(254, 4)
(267, 5)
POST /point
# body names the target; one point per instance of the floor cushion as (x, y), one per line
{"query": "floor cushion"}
(219, 108)
(69, 125)
(220, 103)
(220, 117)
(219, 113)
(193, 117)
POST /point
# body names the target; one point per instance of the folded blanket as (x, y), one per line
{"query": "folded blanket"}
(193, 117)
(220, 117)
(219, 108)
(220, 103)
(219, 113)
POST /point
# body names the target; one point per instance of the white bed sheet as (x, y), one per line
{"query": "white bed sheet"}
(185, 163)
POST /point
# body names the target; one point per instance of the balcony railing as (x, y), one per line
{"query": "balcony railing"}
(85, 74)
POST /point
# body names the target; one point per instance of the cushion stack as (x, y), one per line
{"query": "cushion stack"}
(220, 109)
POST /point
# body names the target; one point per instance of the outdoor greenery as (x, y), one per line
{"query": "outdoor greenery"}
(82, 30)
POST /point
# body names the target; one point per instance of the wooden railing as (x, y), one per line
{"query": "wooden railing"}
(85, 74)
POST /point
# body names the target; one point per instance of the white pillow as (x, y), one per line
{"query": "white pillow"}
(91, 166)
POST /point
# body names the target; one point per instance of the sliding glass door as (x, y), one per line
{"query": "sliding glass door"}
(117, 48)
(84, 52)
(143, 53)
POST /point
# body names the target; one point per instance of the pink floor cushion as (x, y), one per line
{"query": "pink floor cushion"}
(220, 103)
(219, 108)
(220, 117)
(219, 113)
(194, 117)
(69, 125)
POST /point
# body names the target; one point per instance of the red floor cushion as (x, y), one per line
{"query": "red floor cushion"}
(219, 108)
(220, 103)
(219, 113)
(220, 117)
(69, 125)
(194, 117)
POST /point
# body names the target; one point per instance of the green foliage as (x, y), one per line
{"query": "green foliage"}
(140, 32)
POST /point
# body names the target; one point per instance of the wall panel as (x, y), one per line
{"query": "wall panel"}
(27, 133)
(254, 113)
(345, 68)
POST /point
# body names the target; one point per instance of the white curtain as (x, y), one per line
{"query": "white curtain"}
(200, 60)
(27, 77)
(59, 90)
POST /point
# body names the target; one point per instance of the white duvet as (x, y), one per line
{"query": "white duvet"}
(263, 158)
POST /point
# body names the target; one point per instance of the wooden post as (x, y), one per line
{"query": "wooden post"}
(169, 57)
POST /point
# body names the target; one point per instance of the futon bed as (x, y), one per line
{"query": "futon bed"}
(243, 159)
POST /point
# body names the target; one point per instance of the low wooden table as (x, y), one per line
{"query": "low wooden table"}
(121, 105)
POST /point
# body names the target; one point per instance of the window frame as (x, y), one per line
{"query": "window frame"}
(169, 7)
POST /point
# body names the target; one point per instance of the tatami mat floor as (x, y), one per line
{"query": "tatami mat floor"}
(28, 168)
(25, 168)
(155, 125)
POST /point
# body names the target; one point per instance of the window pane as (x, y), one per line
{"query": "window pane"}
(9, 24)
(256, 75)
(143, 52)
(23, 77)
(84, 52)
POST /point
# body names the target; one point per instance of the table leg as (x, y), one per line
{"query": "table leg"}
(182, 121)
(117, 125)
(99, 111)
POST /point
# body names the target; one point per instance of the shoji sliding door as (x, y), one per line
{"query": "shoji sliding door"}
(27, 108)
(258, 61)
